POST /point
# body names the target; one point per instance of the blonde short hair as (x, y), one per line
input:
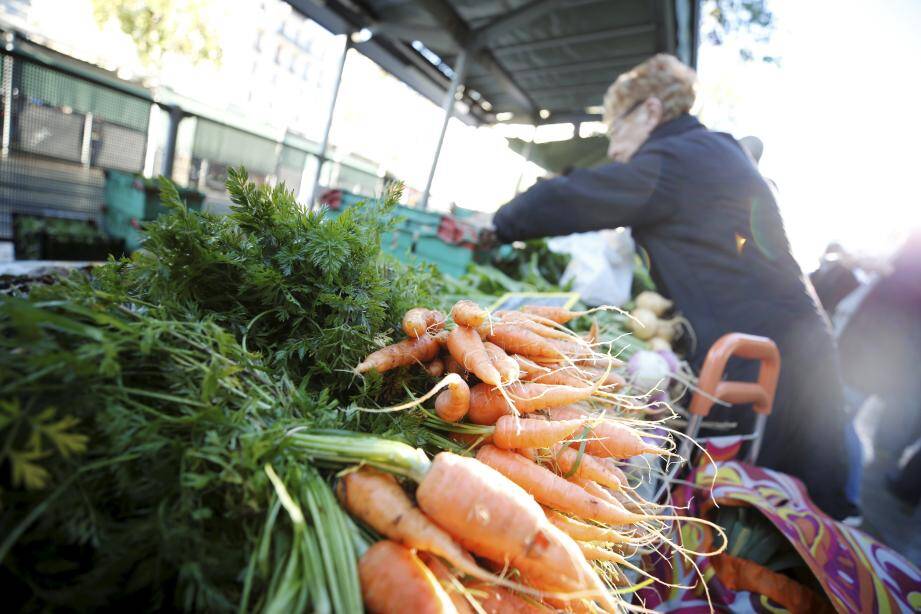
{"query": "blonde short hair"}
(662, 76)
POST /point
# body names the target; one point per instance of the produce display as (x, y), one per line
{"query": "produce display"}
(261, 411)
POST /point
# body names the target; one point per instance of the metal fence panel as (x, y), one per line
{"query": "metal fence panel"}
(117, 147)
(56, 89)
(48, 131)
(62, 132)
(230, 146)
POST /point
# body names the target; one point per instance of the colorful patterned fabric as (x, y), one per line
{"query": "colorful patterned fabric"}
(857, 573)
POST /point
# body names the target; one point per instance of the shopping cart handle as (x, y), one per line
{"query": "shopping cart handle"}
(710, 384)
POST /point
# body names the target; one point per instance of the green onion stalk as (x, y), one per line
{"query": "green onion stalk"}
(345, 447)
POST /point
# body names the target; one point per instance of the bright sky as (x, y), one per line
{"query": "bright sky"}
(839, 119)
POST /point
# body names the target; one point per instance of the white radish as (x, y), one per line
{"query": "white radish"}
(668, 329)
(653, 301)
(648, 370)
(658, 343)
(644, 323)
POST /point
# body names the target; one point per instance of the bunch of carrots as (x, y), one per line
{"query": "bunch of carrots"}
(539, 515)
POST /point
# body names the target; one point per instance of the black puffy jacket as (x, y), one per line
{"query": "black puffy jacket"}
(716, 245)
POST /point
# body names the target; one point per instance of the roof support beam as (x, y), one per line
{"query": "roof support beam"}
(683, 17)
(434, 38)
(545, 43)
(329, 120)
(520, 16)
(444, 14)
(506, 81)
(624, 60)
(597, 86)
(460, 67)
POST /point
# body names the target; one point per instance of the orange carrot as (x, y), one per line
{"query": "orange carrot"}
(586, 466)
(582, 531)
(400, 354)
(378, 500)
(557, 314)
(506, 365)
(394, 580)
(467, 348)
(610, 465)
(593, 552)
(468, 313)
(552, 490)
(487, 403)
(572, 349)
(513, 432)
(607, 377)
(567, 375)
(448, 581)
(452, 404)
(420, 321)
(597, 553)
(606, 438)
(499, 521)
(436, 368)
(441, 337)
(596, 490)
(516, 340)
(452, 366)
(628, 503)
(529, 453)
(592, 336)
(599, 362)
(497, 600)
(526, 321)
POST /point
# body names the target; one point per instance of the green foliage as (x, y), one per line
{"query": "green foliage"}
(30, 229)
(162, 27)
(144, 409)
(532, 263)
(746, 24)
(29, 437)
(312, 293)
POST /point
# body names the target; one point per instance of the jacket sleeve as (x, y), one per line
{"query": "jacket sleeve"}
(609, 196)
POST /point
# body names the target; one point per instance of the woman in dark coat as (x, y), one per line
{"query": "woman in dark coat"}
(715, 240)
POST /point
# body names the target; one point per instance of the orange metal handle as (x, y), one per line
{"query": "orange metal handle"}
(752, 347)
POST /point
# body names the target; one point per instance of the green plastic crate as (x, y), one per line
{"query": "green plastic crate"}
(418, 217)
(451, 259)
(132, 199)
(415, 238)
(398, 242)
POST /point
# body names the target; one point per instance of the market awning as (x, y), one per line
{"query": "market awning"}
(544, 61)
(558, 156)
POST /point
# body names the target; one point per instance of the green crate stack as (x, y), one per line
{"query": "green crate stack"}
(415, 238)
(131, 199)
(451, 259)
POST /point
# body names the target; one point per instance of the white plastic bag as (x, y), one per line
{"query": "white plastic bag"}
(601, 268)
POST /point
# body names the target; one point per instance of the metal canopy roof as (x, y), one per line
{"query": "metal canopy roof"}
(522, 56)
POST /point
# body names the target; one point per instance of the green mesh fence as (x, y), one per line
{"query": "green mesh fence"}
(48, 87)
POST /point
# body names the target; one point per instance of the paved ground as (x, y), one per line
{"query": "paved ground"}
(885, 517)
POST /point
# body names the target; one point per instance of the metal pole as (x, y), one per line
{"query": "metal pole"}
(169, 151)
(684, 452)
(7, 103)
(329, 119)
(87, 146)
(757, 436)
(460, 69)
